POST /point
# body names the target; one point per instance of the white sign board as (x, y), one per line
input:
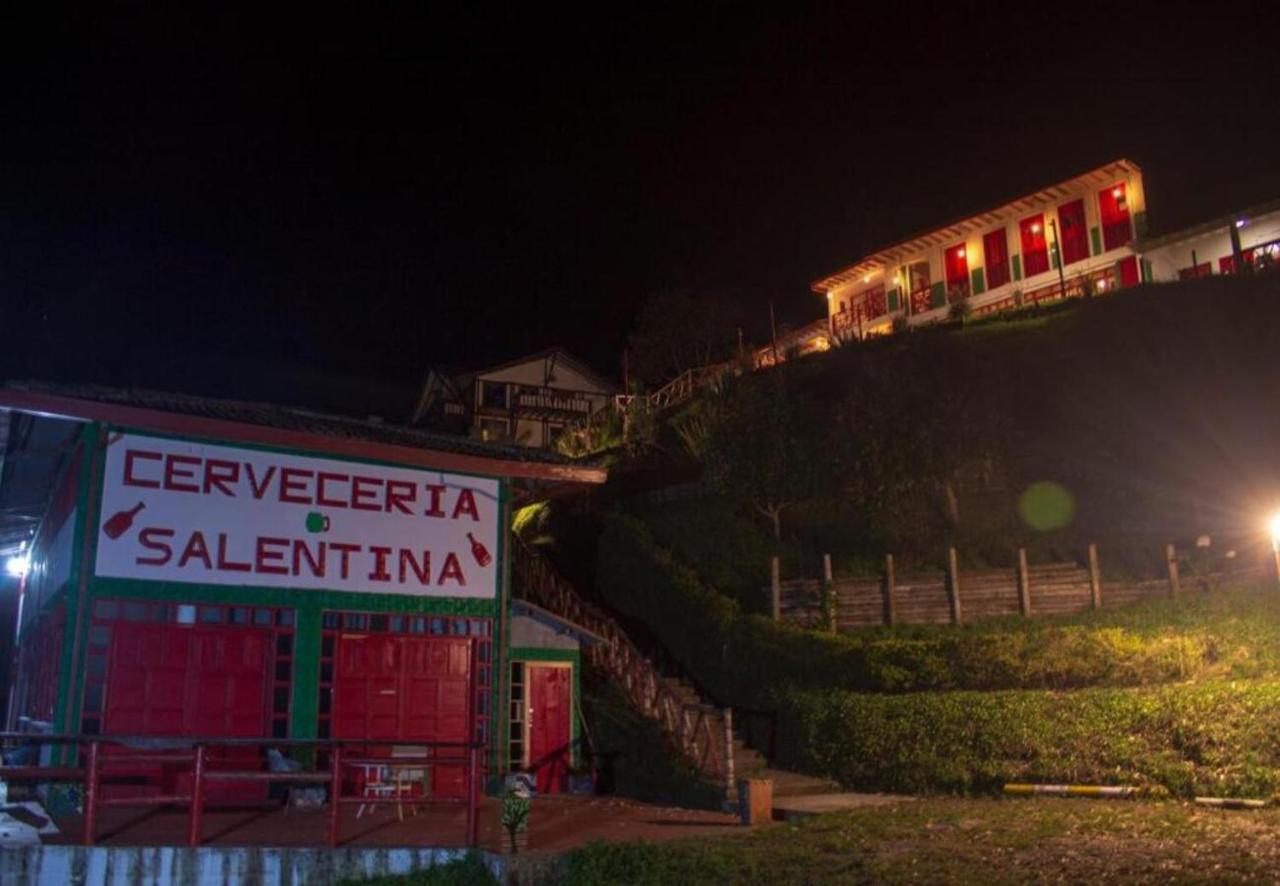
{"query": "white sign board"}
(195, 512)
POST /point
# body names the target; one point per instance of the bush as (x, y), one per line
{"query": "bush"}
(467, 871)
(1216, 738)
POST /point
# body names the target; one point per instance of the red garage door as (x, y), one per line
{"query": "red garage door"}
(396, 687)
(158, 669)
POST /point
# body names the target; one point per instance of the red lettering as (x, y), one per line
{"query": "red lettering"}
(365, 499)
(321, 498)
(452, 569)
(436, 491)
(259, 491)
(151, 539)
(218, 472)
(408, 492)
(466, 505)
(379, 563)
(268, 559)
(302, 552)
(294, 480)
(172, 473)
(196, 547)
(346, 550)
(421, 570)
(130, 479)
(226, 565)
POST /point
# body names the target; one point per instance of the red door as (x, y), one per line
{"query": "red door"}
(549, 726)
(1116, 230)
(398, 689)
(190, 680)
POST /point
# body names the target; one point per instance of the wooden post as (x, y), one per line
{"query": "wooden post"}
(1095, 576)
(828, 594)
(197, 798)
(1171, 555)
(775, 587)
(335, 793)
(954, 586)
(1024, 584)
(91, 794)
(890, 615)
(728, 751)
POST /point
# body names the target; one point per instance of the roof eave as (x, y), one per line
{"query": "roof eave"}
(140, 418)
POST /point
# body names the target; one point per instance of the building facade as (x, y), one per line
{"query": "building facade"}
(529, 401)
(1248, 239)
(1067, 239)
(274, 575)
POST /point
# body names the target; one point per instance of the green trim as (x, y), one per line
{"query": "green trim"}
(70, 691)
(1148, 272)
(304, 711)
(893, 299)
(938, 295)
(978, 278)
(1095, 235)
(538, 653)
(1053, 256)
(1017, 266)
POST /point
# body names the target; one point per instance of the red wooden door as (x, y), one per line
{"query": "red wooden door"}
(188, 680)
(549, 726)
(1116, 229)
(397, 689)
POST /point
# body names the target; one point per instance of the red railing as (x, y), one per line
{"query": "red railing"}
(95, 771)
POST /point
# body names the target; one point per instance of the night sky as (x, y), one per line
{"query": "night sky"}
(316, 211)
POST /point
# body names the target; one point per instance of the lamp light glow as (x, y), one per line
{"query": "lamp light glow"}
(866, 279)
(1117, 191)
(18, 565)
(1035, 228)
(1240, 223)
(960, 252)
(1274, 525)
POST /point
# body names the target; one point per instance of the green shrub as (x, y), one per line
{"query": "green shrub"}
(1218, 738)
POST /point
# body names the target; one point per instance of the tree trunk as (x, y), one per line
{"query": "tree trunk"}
(953, 503)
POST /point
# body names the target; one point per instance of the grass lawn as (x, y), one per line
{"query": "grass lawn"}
(964, 841)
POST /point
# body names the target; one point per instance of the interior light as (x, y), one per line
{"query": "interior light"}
(18, 565)
(1102, 284)
(1117, 191)
(866, 279)
(1035, 228)
(960, 252)
(1240, 223)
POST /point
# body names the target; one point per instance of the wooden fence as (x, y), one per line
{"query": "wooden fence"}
(953, 596)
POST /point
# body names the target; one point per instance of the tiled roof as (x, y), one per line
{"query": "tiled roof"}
(295, 419)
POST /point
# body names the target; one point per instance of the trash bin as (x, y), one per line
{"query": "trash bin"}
(755, 800)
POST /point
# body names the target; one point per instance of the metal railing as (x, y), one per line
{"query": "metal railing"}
(94, 772)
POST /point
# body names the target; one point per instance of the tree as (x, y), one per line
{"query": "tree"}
(678, 330)
(764, 444)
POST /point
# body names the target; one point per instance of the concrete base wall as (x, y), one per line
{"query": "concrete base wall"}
(212, 866)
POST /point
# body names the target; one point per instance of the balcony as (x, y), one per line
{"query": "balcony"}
(534, 402)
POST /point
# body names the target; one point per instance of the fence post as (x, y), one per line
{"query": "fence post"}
(728, 751)
(335, 792)
(473, 797)
(91, 794)
(954, 569)
(775, 587)
(1024, 584)
(828, 594)
(1095, 576)
(197, 798)
(890, 615)
(1171, 555)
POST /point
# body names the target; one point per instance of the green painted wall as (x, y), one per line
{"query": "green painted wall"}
(1017, 266)
(979, 281)
(1095, 236)
(893, 299)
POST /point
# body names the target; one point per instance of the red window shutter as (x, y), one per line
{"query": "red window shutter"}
(1035, 249)
(995, 250)
(1116, 229)
(1074, 232)
(957, 262)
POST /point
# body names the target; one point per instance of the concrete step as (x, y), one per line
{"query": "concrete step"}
(794, 784)
(794, 808)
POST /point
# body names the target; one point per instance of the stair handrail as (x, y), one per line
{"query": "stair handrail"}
(690, 725)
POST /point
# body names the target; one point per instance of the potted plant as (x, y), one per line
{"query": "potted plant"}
(515, 818)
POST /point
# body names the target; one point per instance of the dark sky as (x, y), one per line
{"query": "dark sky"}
(313, 209)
